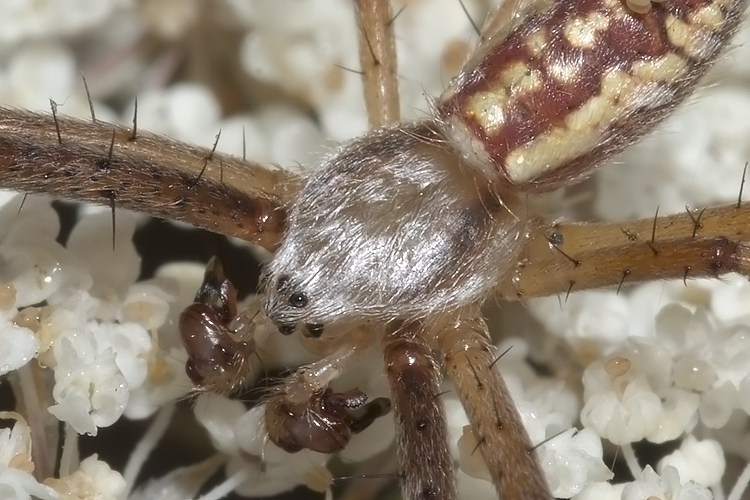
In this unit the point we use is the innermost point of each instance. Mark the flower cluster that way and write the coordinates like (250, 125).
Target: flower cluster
(659, 362)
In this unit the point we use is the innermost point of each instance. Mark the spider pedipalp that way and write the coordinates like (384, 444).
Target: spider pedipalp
(324, 423)
(219, 343)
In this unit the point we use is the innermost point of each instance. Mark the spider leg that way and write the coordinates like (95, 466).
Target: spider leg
(468, 359)
(377, 57)
(425, 463)
(105, 164)
(564, 258)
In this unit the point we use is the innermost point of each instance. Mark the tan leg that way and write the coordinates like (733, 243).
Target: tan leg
(115, 166)
(564, 258)
(468, 360)
(377, 57)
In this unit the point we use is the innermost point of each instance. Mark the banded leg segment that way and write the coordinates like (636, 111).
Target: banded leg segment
(564, 258)
(421, 433)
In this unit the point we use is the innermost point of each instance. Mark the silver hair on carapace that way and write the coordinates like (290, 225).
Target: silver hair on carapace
(392, 226)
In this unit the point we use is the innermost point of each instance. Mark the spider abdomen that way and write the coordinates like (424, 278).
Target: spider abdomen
(577, 81)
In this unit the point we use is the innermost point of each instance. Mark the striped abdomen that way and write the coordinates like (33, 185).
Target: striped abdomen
(578, 80)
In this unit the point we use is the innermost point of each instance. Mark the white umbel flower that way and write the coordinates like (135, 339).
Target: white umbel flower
(601, 491)
(20, 346)
(666, 486)
(16, 465)
(572, 460)
(94, 480)
(43, 18)
(700, 461)
(696, 158)
(90, 391)
(113, 344)
(629, 396)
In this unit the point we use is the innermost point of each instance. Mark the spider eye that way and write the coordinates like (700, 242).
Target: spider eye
(282, 282)
(298, 300)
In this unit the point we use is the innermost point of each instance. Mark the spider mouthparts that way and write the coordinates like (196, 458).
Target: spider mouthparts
(286, 328)
(314, 330)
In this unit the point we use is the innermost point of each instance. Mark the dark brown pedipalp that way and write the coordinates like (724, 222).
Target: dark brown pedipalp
(324, 423)
(218, 359)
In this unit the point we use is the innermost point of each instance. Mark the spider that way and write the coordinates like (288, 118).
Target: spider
(324, 286)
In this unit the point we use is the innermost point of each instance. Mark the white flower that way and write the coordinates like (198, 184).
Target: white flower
(47, 17)
(220, 416)
(116, 341)
(146, 304)
(629, 396)
(572, 460)
(16, 466)
(699, 461)
(30, 258)
(91, 241)
(20, 345)
(666, 486)
(90, 391)
(601, 491)
(711, 358)
(185, 111)
(696, 160)
(156, 306)
(595, 318)
(19, 485)
(94, 480)
(166, 382)
(180, 483)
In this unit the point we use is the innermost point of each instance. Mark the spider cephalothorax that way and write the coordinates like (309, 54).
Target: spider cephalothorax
(407, 230)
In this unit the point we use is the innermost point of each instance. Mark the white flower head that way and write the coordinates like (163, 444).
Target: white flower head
(16, 465)
(666, 486)
(94, 480)
(90, 391)
(20, 346)
(700, 461)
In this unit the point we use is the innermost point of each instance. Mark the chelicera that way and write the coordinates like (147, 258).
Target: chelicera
(400, 235)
